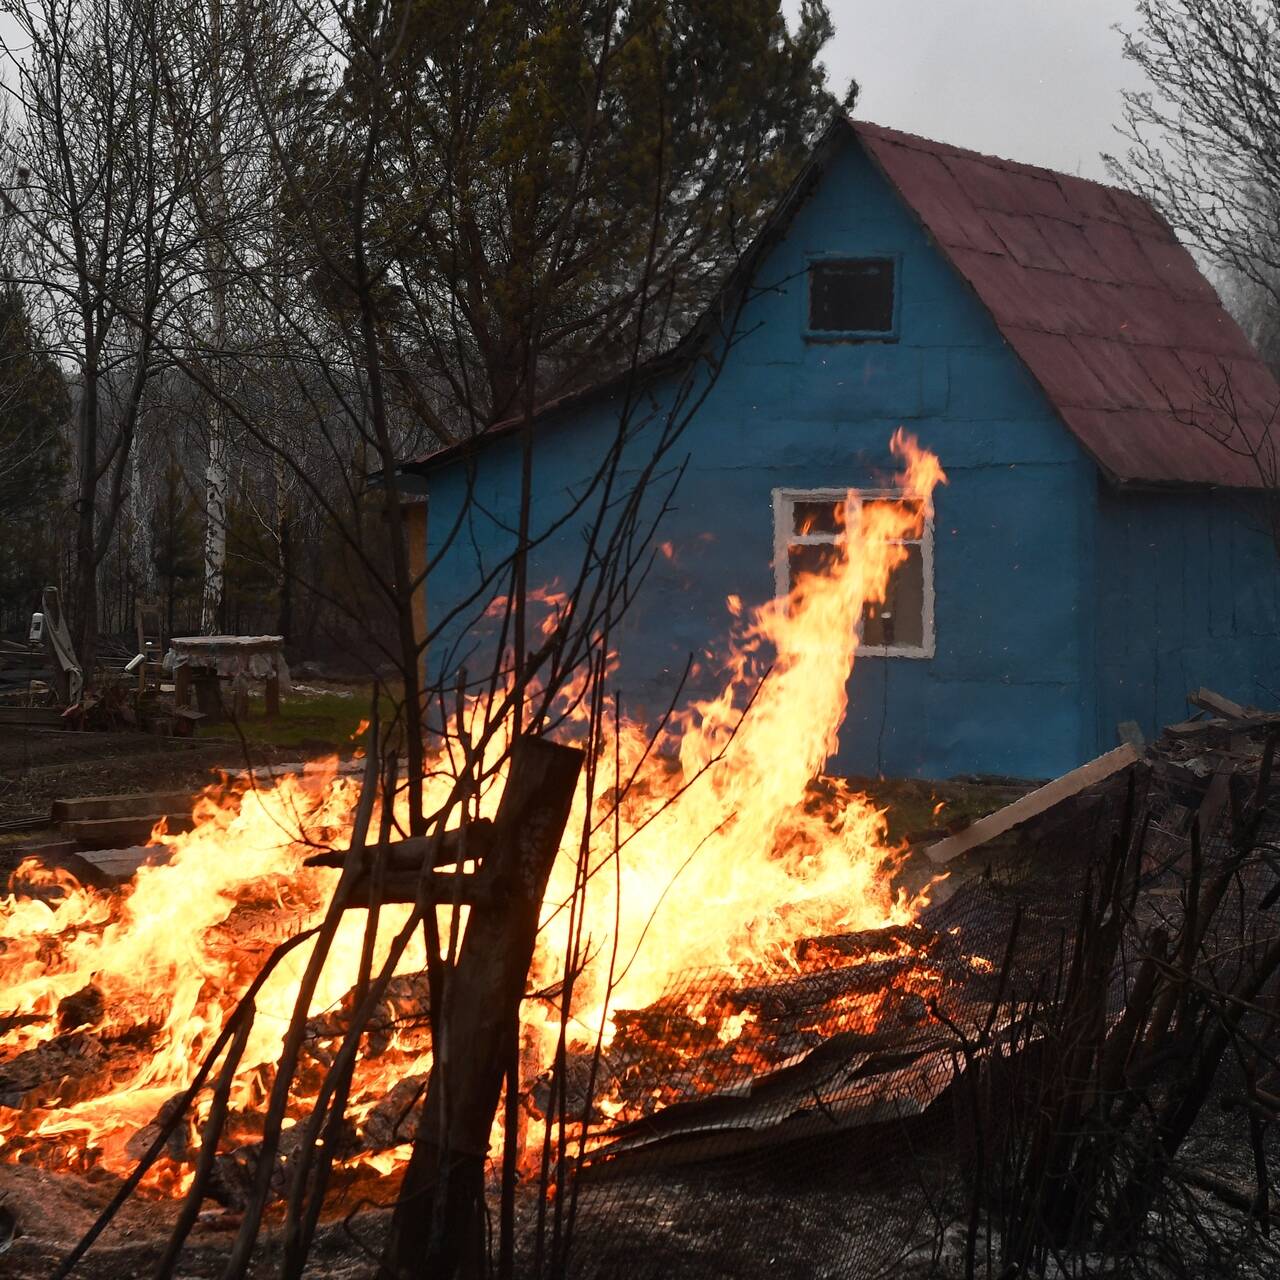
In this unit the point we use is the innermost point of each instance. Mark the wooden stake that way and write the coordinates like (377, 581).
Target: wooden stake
(438, 1226)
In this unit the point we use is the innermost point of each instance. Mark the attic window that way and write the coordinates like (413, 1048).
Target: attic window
(809, 536)
(852, 298)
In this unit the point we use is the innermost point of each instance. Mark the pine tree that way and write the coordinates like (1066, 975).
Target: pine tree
(526, 199)
(176, 542)
(34, 410)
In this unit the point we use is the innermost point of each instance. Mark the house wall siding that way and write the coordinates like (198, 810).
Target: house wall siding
(1188, 596)
(1010, 687)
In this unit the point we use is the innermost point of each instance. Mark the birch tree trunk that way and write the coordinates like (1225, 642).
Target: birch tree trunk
(84, 634)
(215, 531)
(215, 476)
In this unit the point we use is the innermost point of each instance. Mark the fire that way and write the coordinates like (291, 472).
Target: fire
(164, 960)
(725, 856)
(769, 868)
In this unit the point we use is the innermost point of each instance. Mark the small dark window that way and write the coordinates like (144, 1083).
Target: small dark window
(851, 295)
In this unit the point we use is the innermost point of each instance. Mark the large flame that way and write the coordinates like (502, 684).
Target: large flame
(727, 858)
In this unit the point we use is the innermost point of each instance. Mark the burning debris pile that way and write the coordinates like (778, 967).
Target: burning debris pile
(114, 993)
(716, 857)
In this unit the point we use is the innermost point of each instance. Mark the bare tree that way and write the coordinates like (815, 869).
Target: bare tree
(332, 362)
(231, 212)
(90, 172)
(1204, 139)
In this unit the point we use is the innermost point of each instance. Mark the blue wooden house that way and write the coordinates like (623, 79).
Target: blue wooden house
(1095, 555)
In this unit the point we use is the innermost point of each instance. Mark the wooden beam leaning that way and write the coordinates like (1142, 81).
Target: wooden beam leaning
(440, 887)
(438, 1226)
(1212, 701)
(410, 854)
(1033, 804)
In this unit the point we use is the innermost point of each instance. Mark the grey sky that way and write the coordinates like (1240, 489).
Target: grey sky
(1031, 80)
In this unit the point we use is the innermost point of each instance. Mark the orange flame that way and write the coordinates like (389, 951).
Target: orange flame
(724, 858)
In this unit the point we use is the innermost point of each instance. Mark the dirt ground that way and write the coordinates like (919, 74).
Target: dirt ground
(39, 766)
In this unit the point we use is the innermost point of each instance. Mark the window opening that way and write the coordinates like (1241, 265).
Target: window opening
(809, 537)
(852, 296)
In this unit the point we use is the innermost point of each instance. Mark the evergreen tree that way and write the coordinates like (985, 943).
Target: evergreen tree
(596, 154)
(34, 409)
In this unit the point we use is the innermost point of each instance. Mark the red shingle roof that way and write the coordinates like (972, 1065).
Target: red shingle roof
(1093, 291)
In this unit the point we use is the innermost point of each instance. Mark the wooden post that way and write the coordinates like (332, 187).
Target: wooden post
(438, 1226)
(182, 686)
(208, 687)
(415, 527)
(273, 696)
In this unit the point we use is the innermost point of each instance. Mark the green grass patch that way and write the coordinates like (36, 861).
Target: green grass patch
(917, 805)
(311, 722)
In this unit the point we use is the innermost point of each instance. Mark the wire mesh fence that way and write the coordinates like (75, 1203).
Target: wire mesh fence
(880, 1114)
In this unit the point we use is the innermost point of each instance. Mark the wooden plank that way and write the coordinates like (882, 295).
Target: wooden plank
(470, 888)
(181, 686)
(141, 805)
(123, 864)
(1208, 700)
(409, 855)
(414, 514)
(1215, 798)
(43, 716)
(117, 865)
(1188, 728)
(118, 833)
(1037, 802)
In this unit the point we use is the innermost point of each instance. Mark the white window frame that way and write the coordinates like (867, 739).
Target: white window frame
(784, 502)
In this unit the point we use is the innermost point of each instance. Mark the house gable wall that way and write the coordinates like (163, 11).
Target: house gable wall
(1006, 691)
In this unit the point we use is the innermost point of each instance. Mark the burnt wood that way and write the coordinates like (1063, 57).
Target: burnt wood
(438, 1225)
(412, 886)
(866, 942)
(409, 868)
